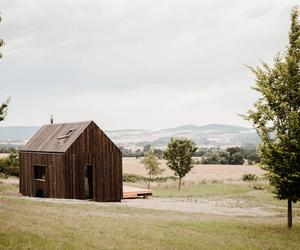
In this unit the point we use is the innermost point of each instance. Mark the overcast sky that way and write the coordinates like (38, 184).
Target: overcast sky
(136, 64)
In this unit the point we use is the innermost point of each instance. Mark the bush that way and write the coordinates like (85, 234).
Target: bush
(249, 177)
(213, 158)
(236, 159)
(196, 162)
(138, 178)
(9, 166)
(133, 178)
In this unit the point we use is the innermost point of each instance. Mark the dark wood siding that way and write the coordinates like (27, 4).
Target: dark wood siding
(94, 148)
(65, 171)
(53, 185)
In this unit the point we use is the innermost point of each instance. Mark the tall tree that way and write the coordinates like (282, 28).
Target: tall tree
(179, 157)
(1, 41)
(152, 165)
(4, 105)
(276, 117)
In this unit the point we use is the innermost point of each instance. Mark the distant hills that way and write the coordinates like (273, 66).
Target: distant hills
(17, 133)
(211, 135)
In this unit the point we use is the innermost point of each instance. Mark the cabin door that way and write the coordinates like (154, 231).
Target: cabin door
(88, 181)
(39, 180)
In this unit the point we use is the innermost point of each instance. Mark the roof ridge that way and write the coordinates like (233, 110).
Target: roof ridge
(64, 123)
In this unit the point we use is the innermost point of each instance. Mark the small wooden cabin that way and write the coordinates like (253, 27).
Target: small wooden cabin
(71, 160)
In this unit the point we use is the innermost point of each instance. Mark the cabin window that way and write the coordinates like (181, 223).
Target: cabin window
(39, 172)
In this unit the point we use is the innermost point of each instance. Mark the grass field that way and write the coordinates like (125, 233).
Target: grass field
(30, 223)
(214, 210)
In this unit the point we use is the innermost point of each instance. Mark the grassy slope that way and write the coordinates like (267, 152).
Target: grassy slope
(202, 190)
(246, 194)
(36, 224)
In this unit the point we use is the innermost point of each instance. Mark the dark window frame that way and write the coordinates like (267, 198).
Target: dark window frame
(39, 172)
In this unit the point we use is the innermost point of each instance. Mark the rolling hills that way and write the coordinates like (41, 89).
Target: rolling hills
(211, 135)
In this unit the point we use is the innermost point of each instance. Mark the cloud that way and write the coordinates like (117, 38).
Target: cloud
(59, 52)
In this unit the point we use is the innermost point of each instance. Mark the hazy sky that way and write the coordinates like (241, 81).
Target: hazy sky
(136, 64)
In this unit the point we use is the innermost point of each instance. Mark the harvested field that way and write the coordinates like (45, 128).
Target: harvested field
(210, 189)
(3, 155)
(199, 173)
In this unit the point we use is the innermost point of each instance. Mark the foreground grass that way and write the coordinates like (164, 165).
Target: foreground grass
(40, 224)
(27, 224)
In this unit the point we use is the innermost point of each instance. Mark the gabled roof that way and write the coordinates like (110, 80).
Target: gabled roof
(55, 137)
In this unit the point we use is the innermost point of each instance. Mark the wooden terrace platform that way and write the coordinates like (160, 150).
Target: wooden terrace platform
(133, 192)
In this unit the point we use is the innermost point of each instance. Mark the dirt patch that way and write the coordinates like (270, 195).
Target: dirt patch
(223, 207)
(11, 193)
(10, 180)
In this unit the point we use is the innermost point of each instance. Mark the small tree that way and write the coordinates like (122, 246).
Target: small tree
(276, 117)
(146, 148)
(179, 157)
(152, 165)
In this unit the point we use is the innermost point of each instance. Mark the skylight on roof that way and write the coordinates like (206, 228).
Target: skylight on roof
(66, 136)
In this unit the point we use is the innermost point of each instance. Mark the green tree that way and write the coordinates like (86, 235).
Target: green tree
(276, 118)
(179, 154)
(212, 158)
(3, 109)
(139, 153)
(158, 153)
(233, 150)
(4, 105)
(236, 155)
(236, 159)
(152, 165)
(9, 166)
(251, 156)
(1, 41)
(146, 148)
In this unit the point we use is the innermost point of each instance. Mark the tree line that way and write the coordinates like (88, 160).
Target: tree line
(229, 156)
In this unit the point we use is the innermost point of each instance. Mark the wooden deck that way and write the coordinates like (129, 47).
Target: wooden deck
(133, 192)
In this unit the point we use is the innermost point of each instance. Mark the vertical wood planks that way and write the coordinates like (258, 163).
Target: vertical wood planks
(65, 171)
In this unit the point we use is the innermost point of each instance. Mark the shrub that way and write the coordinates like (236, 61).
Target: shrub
(138, 178)
(196, 162)
(236, 159)
(216, 157)
(259, 187)
(9, 166)
(249, 177)
(133, 178)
